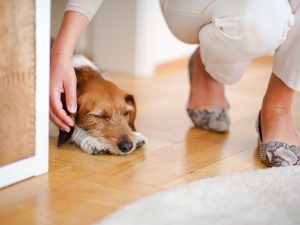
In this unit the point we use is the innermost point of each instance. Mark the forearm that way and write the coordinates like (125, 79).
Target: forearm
(86, 7)
(72, 27)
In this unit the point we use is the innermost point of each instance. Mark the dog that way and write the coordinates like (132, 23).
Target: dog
(104, 121)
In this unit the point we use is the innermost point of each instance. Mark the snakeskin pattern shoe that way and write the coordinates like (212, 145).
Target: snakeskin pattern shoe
(276, 153)
(213, 119)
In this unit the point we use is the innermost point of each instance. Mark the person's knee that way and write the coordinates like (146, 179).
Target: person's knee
(253, 27)
(261, 30)
(184, 26)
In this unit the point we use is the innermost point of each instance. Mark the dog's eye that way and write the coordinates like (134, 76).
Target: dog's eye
(100, 116)
(126, 113)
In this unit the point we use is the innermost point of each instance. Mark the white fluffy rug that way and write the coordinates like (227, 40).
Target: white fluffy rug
(269, 197)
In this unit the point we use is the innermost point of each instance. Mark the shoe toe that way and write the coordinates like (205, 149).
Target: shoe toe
(216, 119)
(276, 154)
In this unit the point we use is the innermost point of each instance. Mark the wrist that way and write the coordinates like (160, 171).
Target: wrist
(60, 53)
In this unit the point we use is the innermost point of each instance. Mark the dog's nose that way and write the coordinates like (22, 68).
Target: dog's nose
(125, 145)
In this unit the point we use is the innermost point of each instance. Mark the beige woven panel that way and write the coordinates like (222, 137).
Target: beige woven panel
(17, 80)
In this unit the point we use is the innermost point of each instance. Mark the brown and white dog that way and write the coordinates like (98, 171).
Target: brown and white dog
(104, 121)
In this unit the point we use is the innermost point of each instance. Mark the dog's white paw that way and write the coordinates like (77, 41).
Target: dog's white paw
(93, 145)
(88, 143)
(139, 139)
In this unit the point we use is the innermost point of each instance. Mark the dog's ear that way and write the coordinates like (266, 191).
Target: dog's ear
(130, 100)
(64, 137)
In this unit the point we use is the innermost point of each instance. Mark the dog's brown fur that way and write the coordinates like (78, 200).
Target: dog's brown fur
(104, 110)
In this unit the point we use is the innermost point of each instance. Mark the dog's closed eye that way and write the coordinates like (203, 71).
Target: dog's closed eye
(127, 113)
(102, 116)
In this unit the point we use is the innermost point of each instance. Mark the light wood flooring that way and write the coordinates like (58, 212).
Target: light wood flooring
(81, 188)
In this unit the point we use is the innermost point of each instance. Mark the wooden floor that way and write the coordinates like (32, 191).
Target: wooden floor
(81, 189)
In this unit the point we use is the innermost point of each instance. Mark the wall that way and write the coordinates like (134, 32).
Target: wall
(127, 36)
(113, 35)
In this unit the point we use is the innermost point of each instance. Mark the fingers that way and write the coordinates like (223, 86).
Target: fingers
(62, 80)
(57, 113)
(70, 93)
(58, 122)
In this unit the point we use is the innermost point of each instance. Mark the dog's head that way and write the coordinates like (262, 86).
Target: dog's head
(105, 111)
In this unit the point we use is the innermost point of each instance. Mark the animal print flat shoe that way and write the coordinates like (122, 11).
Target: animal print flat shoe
(213, 119)
(276, 153)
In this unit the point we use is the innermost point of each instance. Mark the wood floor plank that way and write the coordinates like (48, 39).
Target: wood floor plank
(236, 163)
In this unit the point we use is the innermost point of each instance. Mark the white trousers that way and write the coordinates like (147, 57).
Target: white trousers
(233, 32)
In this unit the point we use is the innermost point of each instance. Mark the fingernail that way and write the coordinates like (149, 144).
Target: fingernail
(67, 129)
(72, 108)
(71, 123)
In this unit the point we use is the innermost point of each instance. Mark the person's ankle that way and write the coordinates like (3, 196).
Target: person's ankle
(206, 92)
(276, 123)
(272, 109)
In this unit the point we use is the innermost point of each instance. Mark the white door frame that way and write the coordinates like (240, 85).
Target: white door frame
(38, 164)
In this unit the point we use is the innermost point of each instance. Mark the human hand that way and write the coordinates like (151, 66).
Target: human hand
(62, 75)
(62, 80)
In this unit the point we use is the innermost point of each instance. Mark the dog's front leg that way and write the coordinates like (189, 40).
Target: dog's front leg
(89, 144)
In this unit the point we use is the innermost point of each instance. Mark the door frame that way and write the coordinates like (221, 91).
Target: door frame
(38, 164)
